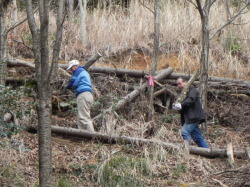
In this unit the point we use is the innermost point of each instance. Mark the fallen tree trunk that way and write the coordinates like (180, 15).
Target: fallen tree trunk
(17, 62)
(91, 61)
(111, 138)
(61, 67)
(133, 73)
(135, 93)
(216, 85)
(142, 73)
(210, 78)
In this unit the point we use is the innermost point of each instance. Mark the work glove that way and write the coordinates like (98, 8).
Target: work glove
(176, 106)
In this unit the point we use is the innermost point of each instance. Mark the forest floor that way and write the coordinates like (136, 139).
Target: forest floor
(83, 162)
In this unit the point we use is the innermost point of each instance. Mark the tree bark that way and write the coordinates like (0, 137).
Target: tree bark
(91, 61)
(3, 41)
(44, 76)
(155, 61)
(14, 14)
(204, 14)
(70, 9)
(83, 12)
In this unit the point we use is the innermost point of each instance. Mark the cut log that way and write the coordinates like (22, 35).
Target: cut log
(11, 116)
(61, 67)
(120, 72)
(135, 93)
(19, 63)
(7, 117)
(230, 154)
(91, 61)
(111, 138)
(63, 73)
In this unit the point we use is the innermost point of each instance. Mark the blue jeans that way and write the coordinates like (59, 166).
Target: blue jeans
(192, 131)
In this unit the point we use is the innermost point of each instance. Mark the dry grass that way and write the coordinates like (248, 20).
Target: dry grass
(78, 161)
(180, 36)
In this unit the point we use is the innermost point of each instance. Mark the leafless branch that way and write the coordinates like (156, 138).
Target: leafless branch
(146, 6)
(198, 2)
(193, 3)
(211, 3)
(231, 20)
(19, 23)
(57, 43)
(23, 43)
(240, 23)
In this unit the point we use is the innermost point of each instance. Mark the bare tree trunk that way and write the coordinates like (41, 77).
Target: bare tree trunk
(44, 76)
(83, 12)
(14, 14)
(3, 40)
(204, 13)
(204, 68)
(155, 60)
(70, 9)
(3, 44)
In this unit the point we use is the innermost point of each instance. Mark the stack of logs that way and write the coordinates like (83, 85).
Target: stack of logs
(217, 85)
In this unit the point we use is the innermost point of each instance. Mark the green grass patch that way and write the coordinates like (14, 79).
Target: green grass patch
(124, 170)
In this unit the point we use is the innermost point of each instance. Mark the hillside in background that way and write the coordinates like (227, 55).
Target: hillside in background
(124, 32)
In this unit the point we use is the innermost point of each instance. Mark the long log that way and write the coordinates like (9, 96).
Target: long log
(135, 73)
(142, 73)
(135, 93)
(115, 71)
(106, 70)
(210, 78)
(111, 138)
(216, 84)
(91, 61)
(18, 62)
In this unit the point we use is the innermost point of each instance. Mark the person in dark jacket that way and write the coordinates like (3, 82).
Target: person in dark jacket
(81, 83)
(192, 115)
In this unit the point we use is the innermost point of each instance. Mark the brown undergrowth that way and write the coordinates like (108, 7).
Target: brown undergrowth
(80, 162)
